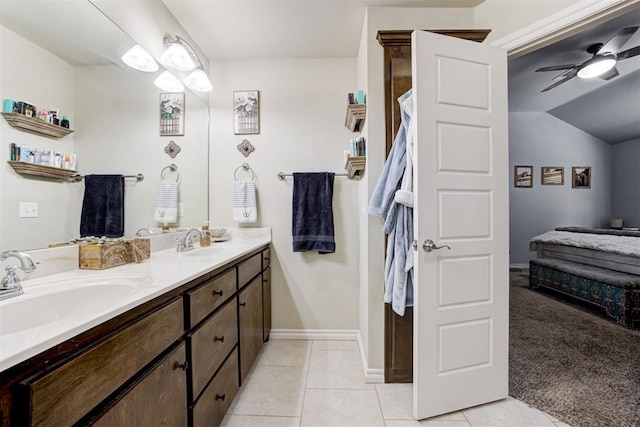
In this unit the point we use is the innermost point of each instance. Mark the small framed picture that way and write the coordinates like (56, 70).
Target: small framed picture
(523, 176)
(552, 175)
(171, 114)
(246, 112)
(581, 177)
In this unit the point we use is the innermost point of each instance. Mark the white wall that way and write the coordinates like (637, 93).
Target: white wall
(34, 75)
(539, 139)
(302, 111)
(626, 182)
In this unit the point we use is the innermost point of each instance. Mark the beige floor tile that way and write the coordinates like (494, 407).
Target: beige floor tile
(285, 353)
(336, 370)
(396, 401)
(271, 390)
(427, 423)
(341, 408)
(335, 345)
(506, 413)
(250, 420)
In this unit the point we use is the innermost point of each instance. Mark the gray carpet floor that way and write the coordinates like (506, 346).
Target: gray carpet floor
(570, 362)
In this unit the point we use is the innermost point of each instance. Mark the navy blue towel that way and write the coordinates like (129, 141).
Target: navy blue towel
(312, 222)
(103, 206)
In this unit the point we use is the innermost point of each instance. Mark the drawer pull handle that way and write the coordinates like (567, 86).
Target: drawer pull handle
(265, 280)
(221, 339)
(221, 396)
(219, 293)
(184, 365)
(267, 258)
(242, 304)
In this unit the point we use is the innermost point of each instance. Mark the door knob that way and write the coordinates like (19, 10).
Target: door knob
(430, 245)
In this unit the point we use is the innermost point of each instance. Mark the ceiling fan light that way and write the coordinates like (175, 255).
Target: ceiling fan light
(198, 81)
(139, 59)
(177, 57)
(597, 66)
(168, 82)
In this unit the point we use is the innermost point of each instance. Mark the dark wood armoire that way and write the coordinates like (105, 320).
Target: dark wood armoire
(398, 330)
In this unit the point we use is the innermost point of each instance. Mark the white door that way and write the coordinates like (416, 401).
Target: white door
(461, 180)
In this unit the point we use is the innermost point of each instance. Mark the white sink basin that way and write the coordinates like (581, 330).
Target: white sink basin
(215, 249)
(57, 301)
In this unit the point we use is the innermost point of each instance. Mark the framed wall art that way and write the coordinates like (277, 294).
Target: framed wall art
(552, 175)
(523, 176)
(581, 177)
(171, 114)
(246, 112)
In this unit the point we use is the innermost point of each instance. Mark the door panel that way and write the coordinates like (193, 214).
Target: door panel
(461, 181)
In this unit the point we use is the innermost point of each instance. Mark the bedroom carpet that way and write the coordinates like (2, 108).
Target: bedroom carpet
(575, 365)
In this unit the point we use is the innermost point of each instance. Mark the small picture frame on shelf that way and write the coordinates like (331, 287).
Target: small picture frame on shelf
(581, 177)
(552, 175)
(246, 112)
(523, 176)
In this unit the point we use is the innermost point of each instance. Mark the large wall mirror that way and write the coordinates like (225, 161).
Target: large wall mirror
(66, 55)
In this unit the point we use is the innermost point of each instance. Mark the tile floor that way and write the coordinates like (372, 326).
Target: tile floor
(320, 383)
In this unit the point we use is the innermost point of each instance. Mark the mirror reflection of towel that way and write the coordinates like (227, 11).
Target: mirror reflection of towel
(244, 202)
(312, 222)
(103, 206)
(166, 202)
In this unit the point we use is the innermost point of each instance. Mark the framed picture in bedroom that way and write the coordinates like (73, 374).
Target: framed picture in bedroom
(523, 176)
(581, 177)
(246, 112)
(552, 175)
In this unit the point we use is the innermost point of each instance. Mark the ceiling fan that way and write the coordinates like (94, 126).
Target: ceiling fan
(603, 62)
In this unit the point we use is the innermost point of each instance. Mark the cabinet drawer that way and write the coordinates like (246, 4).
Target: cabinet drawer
(215, 400)
(248, 269)
(211, 343)
(159, 399)
(209, 296)
(266, 258)
(64, 395)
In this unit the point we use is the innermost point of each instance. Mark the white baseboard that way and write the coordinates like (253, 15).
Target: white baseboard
(370, 375)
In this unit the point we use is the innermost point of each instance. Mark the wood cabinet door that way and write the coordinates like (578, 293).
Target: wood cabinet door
(250, 314)
(159, 399)
(266, 303)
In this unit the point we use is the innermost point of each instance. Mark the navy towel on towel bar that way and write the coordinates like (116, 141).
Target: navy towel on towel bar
(103, 206)
(312, 222)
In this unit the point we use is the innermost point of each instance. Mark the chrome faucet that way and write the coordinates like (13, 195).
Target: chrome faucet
(186, 244)
(10, 285)
(140, 230)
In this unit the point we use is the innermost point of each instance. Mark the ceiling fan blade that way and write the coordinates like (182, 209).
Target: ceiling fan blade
(569, 76)
(610, 74)
(617, 41)
(557, 67)
(562, 75)
(629, 53)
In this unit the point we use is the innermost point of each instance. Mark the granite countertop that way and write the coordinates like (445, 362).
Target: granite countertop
(57, 307)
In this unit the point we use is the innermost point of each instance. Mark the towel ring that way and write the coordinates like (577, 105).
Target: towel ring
(172, 168)
(245, 167)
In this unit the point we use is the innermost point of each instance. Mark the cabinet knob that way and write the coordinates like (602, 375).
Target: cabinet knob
(221, 396)
(267, 258)
(221, 339)
(242, 304)
(183, 365)
(265, 280)
(219, 293)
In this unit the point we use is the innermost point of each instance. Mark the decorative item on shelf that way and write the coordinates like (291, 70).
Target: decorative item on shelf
(172, 114)
(355, 166)
(354, 119)
(172, 149)
(100, 254)
(245, 147)
(31, 124)
(246, 112)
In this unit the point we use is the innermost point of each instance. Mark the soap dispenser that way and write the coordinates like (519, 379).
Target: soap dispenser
(206, 240)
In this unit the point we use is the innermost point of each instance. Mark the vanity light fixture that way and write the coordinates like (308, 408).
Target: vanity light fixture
(139, 59)
(168, 82)
(198, 81)
(178, 54)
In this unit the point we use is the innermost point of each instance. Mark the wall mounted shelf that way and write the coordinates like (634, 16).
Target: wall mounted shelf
(37, 126)
(24, 168)
(355, 167)
(355, 117)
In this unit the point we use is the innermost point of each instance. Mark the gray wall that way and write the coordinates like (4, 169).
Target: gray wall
(539, 139)
(626, 182)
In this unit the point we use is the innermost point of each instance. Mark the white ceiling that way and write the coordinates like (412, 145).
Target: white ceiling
(243, 29)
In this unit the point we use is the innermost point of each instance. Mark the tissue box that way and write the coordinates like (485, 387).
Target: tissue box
(112, 254)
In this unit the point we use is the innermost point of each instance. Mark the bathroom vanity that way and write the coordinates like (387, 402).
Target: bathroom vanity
(176, 359)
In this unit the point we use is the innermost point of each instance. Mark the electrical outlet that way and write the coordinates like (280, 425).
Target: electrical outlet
(180, 209)
(28, 209)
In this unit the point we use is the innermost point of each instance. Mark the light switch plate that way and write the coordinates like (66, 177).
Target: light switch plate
(28, 209)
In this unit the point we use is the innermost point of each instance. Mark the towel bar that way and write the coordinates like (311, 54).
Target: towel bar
(282, 175)
(245, 167)
(76, 178)
(173, 168)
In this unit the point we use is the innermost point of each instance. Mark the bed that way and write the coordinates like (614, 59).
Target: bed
(598, 266)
